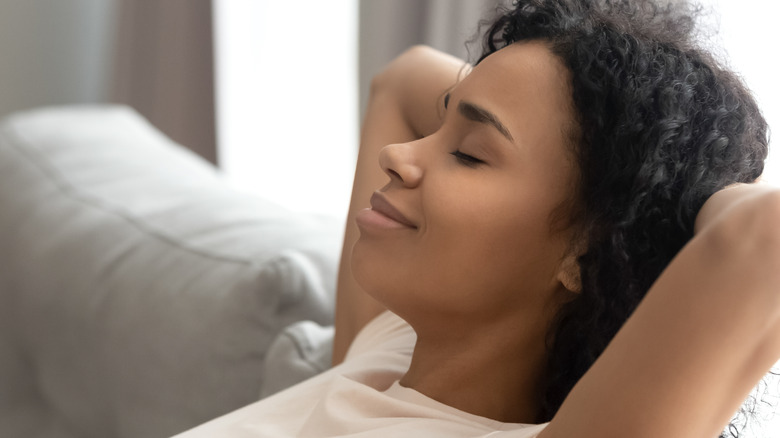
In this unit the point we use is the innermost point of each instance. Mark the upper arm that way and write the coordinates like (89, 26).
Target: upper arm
(405, 104)
(706, 332)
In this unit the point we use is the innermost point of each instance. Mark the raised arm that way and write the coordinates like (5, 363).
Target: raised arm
(704, 335)
(405, 104)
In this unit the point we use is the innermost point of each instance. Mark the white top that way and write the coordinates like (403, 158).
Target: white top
(360, 398)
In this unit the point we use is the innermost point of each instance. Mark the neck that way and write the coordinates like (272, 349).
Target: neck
(492, 371)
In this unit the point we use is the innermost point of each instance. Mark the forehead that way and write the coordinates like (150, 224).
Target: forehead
(527, 87)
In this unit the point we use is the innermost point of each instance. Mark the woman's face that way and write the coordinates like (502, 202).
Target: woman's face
(463, 229)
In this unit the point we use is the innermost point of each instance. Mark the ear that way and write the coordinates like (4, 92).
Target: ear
(569, 273)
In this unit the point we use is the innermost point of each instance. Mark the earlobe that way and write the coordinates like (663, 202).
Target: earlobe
(569, 274)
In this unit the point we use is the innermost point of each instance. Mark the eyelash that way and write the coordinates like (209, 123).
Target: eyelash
(466, 160)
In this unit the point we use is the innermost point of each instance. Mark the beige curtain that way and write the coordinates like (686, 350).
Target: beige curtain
(164, 58)
(164, 68)
(389, 27)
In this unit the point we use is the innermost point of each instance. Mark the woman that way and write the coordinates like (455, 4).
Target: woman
(592, 159)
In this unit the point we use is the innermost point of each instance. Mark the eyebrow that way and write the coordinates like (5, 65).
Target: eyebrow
(478, 114)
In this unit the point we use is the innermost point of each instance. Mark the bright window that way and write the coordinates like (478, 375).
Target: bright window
(286, 96)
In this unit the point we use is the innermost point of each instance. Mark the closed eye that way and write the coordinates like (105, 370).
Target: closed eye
(466, 159)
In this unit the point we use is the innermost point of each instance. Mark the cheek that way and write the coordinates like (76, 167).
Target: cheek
(491, 218)
(491, 242)
(478, 251)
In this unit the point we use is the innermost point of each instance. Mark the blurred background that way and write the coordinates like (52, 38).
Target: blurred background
(272, 91)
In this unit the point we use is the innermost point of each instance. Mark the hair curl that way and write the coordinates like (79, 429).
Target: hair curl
(661, 127)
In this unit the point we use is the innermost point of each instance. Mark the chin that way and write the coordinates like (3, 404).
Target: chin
(370, 270)
(364, 267)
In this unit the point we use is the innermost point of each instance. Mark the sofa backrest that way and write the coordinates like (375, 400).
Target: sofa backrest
(138, 291)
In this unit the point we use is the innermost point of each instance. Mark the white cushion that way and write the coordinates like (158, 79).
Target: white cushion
(138, 292)
(301, 351)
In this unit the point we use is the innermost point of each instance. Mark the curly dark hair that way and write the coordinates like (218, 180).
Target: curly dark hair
(661, 127)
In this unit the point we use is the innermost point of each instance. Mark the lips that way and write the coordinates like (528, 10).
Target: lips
(381, 205)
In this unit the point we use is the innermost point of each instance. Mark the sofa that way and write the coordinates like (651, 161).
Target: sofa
(140, 294)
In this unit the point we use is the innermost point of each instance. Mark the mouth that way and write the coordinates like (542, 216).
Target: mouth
(385, 211)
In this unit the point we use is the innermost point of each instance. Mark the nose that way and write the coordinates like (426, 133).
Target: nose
(400, 163)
